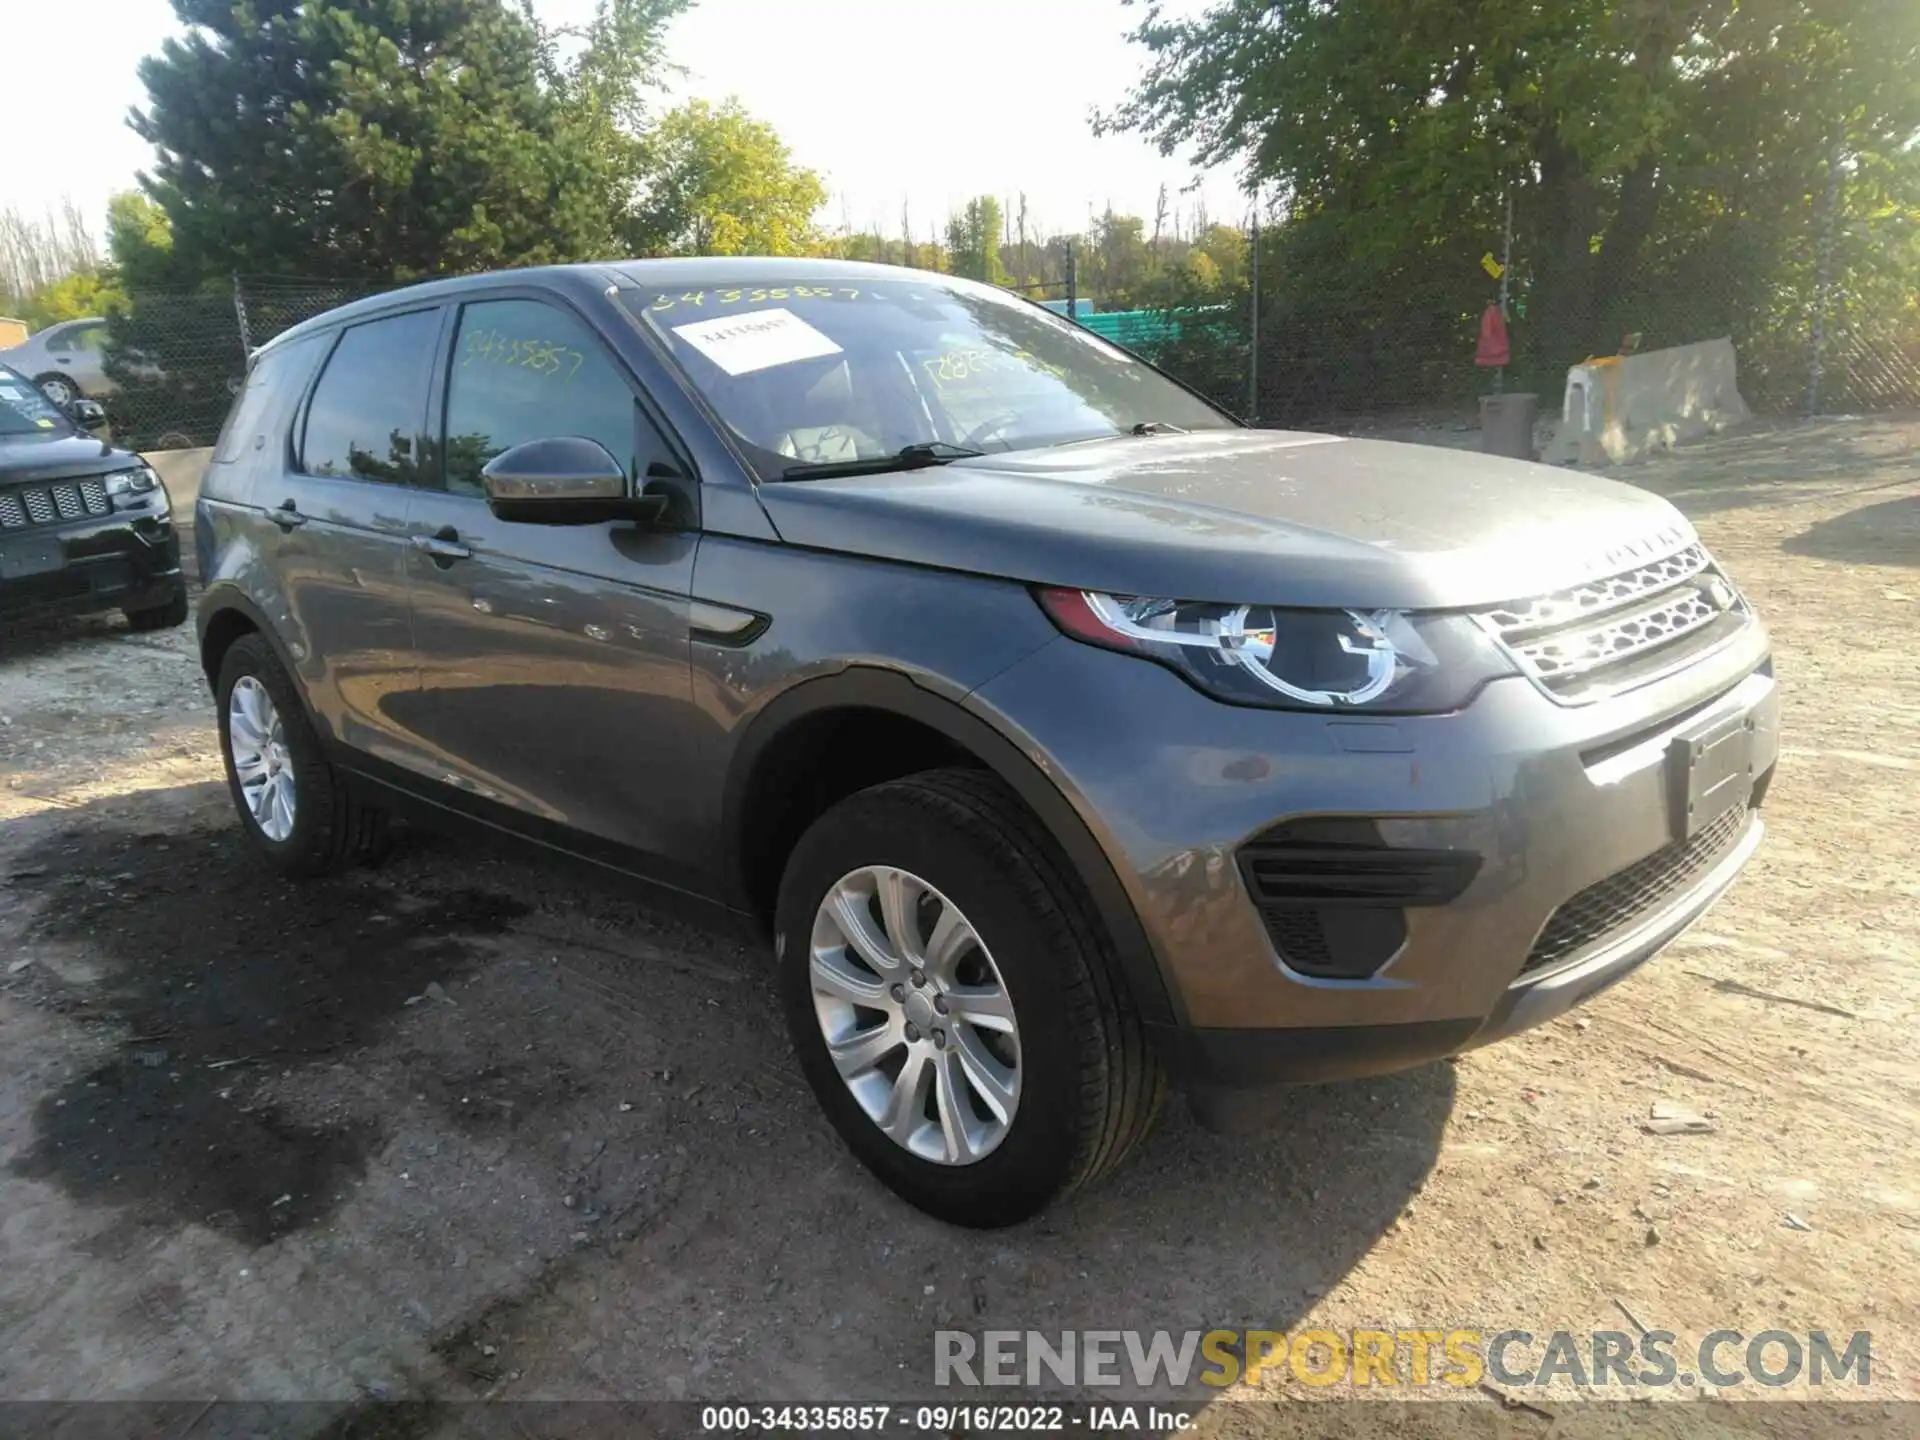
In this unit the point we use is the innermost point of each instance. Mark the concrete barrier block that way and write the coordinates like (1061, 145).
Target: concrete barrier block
(1620, 408)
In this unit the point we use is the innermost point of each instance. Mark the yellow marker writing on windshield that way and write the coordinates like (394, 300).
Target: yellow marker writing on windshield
(754, 295)
(957, 366)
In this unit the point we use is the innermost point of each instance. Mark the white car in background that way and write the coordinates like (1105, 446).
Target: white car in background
(67, 361)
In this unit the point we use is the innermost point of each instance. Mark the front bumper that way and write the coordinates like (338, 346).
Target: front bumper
(128, 560)
(1554, 799)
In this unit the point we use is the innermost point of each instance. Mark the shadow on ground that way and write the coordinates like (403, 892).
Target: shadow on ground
(725, 1245)
(210, 966)
(777, 1271)
(1774, 465)
(1883, 534)
(33, 638)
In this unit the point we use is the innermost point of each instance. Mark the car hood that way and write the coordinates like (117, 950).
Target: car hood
(1267, 516)
(27, 457)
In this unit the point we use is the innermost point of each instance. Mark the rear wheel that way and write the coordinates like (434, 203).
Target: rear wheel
(58, 388)
(294, 809)
(952, 1008)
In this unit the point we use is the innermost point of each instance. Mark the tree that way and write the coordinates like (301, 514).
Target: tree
(724, 183)
(391, 139)
(75, 297)
(140, 242)
(1219, 256)
(40, 257)
(973, 241)
(1119, 260)
(1628, 135)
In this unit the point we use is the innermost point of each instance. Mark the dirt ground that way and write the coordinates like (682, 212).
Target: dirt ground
(466, 1126)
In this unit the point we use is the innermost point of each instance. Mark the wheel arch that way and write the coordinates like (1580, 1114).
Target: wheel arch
(226, 613)
(753, 854)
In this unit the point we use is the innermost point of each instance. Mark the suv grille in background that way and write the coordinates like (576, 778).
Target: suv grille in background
(1635, 892)
(1596, 639)
(50, 504)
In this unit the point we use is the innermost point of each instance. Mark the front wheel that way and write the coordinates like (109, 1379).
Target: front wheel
(294, 809)
(952, 1008)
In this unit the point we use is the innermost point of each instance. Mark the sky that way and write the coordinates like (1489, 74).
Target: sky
(921, 102)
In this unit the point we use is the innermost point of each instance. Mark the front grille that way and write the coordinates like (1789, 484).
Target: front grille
(1306, 874)
(1301, 939)
(1631, 894)
(1593, 640)
(1551, 611)
(49, 504)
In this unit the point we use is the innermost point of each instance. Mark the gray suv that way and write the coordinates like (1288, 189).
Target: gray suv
(1064, 736)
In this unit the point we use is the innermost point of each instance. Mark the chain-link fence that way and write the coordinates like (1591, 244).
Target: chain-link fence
(1338, 347)
(1838, 337)
(173, 362)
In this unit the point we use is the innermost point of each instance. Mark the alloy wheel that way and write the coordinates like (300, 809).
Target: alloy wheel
(257, 744)
(916, 1017)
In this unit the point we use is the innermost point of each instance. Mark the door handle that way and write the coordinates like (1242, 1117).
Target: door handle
(288, 516)
(443, 546)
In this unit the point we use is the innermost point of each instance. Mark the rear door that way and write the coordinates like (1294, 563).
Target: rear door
(337, 514)
(80, 352)
(554, 660)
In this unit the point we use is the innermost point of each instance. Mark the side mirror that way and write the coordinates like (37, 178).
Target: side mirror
(564, 480)
(87, 414)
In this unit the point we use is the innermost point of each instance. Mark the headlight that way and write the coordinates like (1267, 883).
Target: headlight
(135, 489)
(1378, 661)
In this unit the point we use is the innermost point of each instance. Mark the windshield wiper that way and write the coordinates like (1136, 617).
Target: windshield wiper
(912, 457)
(1156, 427)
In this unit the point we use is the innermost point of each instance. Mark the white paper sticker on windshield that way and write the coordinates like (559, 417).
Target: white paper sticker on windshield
(758, 340)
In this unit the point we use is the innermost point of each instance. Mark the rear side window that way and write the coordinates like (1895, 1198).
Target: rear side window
(523, 370)
(366, 414)
(77, 338)
(273, 376)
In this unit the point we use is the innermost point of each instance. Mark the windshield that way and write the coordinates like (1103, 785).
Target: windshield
(24, 411)
(832, 373)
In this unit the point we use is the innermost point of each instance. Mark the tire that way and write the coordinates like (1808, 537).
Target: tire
(160, 617)
(1088, 1086)
(59, 388)
(330, 828)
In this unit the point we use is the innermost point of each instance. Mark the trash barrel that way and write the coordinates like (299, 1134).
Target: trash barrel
(1506, 424)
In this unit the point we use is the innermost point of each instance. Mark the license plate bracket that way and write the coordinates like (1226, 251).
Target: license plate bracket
(21, 558)
(1709, 770)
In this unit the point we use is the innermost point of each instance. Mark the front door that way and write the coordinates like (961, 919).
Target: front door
(554, 669)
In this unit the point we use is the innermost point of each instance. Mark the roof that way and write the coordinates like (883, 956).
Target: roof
(679, 270)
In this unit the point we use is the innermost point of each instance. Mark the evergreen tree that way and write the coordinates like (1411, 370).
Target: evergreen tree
(392, 139)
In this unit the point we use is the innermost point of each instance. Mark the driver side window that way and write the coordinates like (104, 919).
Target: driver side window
(526, 370)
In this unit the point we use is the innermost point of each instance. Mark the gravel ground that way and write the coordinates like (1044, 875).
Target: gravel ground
(466, 1126)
